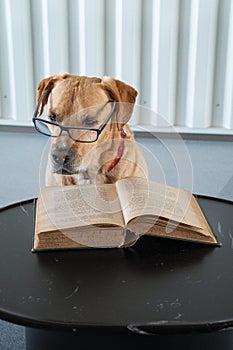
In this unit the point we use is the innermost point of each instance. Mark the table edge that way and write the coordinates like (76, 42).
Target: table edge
(152, 328)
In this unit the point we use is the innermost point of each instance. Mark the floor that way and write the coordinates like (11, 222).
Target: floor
(204, 167)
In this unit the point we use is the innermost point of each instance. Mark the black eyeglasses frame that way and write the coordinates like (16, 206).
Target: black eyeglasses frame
(67, 128)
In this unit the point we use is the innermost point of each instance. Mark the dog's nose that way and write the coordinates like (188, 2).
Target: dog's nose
(62, 155)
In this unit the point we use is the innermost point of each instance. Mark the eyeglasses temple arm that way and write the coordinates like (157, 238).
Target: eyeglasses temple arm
(109, 117)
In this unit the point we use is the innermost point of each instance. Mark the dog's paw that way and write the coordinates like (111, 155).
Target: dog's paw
(83, 179)
(84, 182)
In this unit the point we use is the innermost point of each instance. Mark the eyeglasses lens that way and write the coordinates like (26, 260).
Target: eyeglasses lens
(48, 129)
(83, 135)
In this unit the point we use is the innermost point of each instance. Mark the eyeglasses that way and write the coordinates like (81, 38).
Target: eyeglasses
(86, 135)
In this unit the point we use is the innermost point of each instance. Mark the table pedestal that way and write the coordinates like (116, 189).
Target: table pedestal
(115, 340)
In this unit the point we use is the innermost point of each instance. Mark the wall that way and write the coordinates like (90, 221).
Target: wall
(203, 165)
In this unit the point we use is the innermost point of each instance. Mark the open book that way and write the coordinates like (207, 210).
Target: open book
(116, 215)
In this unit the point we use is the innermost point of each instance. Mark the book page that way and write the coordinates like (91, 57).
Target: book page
(76, 206)
(139, 197)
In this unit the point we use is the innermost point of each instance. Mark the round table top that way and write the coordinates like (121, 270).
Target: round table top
(157, 285)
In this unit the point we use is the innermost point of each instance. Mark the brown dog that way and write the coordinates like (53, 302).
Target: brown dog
(77, 104)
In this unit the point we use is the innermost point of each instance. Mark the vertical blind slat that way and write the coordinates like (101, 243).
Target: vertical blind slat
(4, 62)
(20, 66)
(201, 63)
(118, 37)
(228, 88)
(94, 37)
(56, 50)
(153, 68)
(182, 66)
(131, 48)
(167, 59)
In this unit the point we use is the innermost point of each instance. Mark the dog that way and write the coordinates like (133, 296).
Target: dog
(106, 153)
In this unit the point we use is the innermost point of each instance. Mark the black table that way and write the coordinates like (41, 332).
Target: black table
(160, 293)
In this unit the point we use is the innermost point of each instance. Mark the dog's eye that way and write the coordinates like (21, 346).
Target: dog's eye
(90, 122)
(53, 117)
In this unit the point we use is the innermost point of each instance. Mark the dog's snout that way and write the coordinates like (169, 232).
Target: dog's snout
(62, 154)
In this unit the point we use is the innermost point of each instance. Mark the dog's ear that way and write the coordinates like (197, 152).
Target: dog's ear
(122, 93)
(45, 87)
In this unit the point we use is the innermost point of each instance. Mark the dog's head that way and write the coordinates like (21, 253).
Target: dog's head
(82, 103)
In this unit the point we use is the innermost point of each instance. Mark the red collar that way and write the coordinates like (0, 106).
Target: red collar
(119, 152)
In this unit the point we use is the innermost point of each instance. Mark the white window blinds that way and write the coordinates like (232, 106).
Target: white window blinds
(177, 53)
